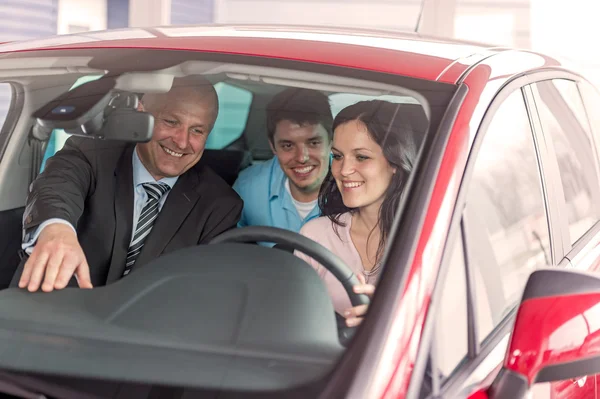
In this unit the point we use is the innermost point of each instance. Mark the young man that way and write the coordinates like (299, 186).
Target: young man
(283, 191)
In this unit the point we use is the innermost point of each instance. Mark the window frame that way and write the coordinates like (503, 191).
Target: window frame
(15, 109)
(460, 381)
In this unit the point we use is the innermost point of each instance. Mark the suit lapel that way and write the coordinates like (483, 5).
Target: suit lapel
(179, 204)
(123, 203)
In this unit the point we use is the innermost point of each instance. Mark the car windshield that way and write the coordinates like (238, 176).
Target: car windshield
(210, 139)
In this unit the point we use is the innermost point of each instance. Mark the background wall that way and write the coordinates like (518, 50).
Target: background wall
(26, 19)
(80, 16)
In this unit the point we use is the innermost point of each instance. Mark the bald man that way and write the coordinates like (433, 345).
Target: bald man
(103, 209)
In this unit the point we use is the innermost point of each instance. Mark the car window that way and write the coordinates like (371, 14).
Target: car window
(563, 120)
(506, 222)
(234, 107)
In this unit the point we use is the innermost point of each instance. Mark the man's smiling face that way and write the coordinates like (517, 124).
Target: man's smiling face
(183, 118)
(303, 154)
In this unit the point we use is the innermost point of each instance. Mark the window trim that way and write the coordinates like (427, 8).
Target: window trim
(551, 187)
(473, 344)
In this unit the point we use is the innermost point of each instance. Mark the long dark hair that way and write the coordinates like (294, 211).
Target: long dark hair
(388, 125)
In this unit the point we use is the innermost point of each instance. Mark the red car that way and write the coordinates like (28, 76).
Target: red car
(488, 288)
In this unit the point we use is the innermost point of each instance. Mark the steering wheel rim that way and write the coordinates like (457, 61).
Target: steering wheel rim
(325, 257)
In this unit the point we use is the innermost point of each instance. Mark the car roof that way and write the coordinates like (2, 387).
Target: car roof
(408, 54)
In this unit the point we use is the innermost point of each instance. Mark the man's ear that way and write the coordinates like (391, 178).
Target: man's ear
(272, 146)
(140, 107)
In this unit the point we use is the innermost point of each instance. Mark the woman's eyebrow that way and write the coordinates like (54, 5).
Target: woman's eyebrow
(353, 150)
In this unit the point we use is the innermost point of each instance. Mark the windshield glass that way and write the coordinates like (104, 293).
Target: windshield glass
(134, 185)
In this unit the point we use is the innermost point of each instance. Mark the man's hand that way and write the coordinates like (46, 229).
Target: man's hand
(56, 257)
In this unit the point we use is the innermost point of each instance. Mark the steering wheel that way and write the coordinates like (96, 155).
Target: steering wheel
(328, 259)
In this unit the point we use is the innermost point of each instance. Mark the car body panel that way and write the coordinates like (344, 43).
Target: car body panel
(406, 54)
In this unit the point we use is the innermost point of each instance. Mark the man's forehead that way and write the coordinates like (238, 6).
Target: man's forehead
(289, 130)
(178, 104)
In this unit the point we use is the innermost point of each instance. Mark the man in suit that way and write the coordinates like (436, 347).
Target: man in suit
(101, 209)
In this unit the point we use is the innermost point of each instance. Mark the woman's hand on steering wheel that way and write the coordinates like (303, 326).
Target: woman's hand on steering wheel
(354, 315)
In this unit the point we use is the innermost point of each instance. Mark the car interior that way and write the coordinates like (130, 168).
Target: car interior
(253, 334)
(237, 141)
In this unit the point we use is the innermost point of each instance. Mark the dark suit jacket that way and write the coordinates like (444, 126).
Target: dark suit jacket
(90, 184)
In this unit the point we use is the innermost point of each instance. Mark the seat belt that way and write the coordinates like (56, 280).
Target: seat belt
(38, 141)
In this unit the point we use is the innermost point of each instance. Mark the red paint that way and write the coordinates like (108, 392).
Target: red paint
(408, 62)
(554, 330)
(481, 394)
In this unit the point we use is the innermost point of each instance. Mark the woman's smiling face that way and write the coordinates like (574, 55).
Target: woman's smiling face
(361, 171)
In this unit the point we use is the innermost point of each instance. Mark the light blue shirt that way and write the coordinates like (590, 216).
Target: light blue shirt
(140, 175)
(267, 202)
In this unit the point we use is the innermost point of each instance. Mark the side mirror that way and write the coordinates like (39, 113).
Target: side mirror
(556, 335)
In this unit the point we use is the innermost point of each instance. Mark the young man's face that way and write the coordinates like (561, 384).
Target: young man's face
(303, 152)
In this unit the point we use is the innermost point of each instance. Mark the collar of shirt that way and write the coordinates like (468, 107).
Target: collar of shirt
(141, 174)
(278, 178)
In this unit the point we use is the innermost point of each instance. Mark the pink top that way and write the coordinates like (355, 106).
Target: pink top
(321, 230)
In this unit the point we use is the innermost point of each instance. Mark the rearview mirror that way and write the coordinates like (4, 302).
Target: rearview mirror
(97, 110)
(556, 335)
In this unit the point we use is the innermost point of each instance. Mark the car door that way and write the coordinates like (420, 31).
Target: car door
(573, 152)
(503, 236)
(514, 220)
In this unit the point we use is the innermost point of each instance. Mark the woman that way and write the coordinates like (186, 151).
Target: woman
(373, 154)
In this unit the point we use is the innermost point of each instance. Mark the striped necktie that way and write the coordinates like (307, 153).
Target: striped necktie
(145, 222)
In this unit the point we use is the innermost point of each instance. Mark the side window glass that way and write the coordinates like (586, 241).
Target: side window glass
(563, 120)
(234, 107)
(451, 339)
(506, 221)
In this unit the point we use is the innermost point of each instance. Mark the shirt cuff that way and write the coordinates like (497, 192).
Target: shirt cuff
(30, 238)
